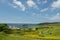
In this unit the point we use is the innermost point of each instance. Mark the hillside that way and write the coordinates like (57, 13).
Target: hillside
(43, 31)
(49, 23)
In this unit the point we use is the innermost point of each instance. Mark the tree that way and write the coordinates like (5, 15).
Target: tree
(24, 26)
(3, 27)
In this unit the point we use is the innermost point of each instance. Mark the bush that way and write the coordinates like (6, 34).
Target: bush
(3, 27)
(8, 31)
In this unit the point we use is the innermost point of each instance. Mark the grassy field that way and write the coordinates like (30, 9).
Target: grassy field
(44, 32)
(20, 37)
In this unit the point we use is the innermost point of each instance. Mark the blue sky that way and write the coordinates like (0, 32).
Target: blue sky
(29, 11)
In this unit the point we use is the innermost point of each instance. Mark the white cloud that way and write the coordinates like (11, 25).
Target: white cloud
(19, 4)
(55, 4)
(55, 17)
(42, 2)
(43, 10)
(31, 3)
(14, 6)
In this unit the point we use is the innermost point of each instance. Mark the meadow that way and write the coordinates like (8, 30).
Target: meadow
(40, 32)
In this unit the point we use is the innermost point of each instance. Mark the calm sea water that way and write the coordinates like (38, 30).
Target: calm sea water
(20, 25)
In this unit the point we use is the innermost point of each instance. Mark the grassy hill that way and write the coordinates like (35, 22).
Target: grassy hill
(43, 31)
(47, 30)
(19, 37)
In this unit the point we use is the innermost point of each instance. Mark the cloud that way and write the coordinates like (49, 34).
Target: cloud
(55, 4)
(42, 2)
(19, 4)
(31, 3)
(43, 10)
(14, 6)
(55, 17)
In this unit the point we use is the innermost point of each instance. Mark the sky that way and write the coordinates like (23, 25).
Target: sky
(29, 11)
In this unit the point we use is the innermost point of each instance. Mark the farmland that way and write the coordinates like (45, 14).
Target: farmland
(43, 31)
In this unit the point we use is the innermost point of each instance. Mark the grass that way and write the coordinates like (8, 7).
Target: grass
(14, 37)
(4, 36)
(40, 34)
